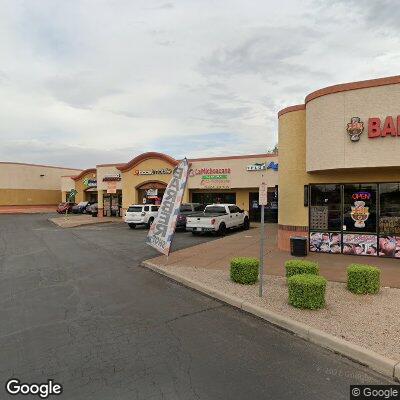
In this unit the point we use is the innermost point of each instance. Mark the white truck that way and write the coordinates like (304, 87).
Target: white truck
(217, 218)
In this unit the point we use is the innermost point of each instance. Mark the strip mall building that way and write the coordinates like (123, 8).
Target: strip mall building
(142, 180)
(339, 169)
(31, 184)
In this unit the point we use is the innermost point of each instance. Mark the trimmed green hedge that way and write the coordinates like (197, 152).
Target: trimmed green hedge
(244, 270)
(363, 279)
(307, 291)
(298, 267)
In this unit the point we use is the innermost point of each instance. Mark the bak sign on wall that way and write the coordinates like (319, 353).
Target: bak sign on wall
(389, 127)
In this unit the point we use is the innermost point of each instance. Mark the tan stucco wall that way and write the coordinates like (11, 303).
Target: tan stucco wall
(239, 176)
(329, 145)
(25, 176)
(292, 169)
(67, 183)
(102, 171)
(80, 187)
(130, 181)
(20, 197)
(22, 184)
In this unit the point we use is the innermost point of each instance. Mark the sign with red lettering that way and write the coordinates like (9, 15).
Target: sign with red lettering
(388, 128)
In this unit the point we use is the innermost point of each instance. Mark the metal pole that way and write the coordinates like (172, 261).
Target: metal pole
(262, 238)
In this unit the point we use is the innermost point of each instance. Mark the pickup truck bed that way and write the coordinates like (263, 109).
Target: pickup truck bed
(217, 218)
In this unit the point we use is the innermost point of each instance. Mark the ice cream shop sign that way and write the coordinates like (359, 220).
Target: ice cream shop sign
(377, 127)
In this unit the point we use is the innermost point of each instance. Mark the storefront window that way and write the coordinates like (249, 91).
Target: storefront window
(389, 220)
(325, 208)
(214, 198)
(359, 208)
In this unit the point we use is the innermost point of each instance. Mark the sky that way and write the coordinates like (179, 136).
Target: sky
(91, 82)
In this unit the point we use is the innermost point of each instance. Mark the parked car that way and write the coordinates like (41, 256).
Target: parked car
(217, 218)
(80, 208)
(64, 207)
(141, 214)
(92, 209)
(185, 210)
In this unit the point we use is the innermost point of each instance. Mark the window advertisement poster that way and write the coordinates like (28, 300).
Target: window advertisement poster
(362, 245)
(389, 225)
(319, 217)
(325, 242)
(111, 187)
(389, 246)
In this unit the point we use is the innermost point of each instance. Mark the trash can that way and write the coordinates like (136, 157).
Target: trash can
(298, 246)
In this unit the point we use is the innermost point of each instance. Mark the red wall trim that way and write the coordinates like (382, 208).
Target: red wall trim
(86, 171)
(293, 228)
(390, 80)
(145, 156)
(296, 107)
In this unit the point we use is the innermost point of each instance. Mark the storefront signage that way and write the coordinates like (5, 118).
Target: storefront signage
(215, 177)
(151, 192)
(262, 166)
(112, 177)
(90, 182)
(388, 128)
(111, 187)
(209, 171)
(359, 214)
(361, 196)
(355, 128)
(215, 181)
(162, 171)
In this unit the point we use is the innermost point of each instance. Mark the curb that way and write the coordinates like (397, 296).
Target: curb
(369, 358)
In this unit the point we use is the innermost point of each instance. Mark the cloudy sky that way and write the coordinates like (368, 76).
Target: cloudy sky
(88, 82)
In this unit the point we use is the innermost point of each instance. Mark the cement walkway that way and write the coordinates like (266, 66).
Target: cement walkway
(73, 220)
(27, 209)
(217, 254)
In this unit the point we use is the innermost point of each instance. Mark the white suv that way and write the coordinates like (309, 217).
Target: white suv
(141, 214)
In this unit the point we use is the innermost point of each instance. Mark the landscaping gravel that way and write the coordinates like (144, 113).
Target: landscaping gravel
(371, 321)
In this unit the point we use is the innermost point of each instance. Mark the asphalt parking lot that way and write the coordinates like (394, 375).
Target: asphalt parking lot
(75, 306)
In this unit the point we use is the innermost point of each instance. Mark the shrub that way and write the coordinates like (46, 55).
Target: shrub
(244, 270)
(299, 267)
(307, 291)
(362, 279)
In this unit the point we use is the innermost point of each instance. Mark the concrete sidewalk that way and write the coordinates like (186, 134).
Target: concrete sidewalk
(28, 209)
(72, 221)
(216, 254)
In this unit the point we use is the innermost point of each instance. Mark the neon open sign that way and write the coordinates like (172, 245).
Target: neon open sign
(361, 196)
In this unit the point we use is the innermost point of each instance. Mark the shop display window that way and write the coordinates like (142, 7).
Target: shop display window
(214, 198)
(359, 208)
(325, 207)
(356, 219)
